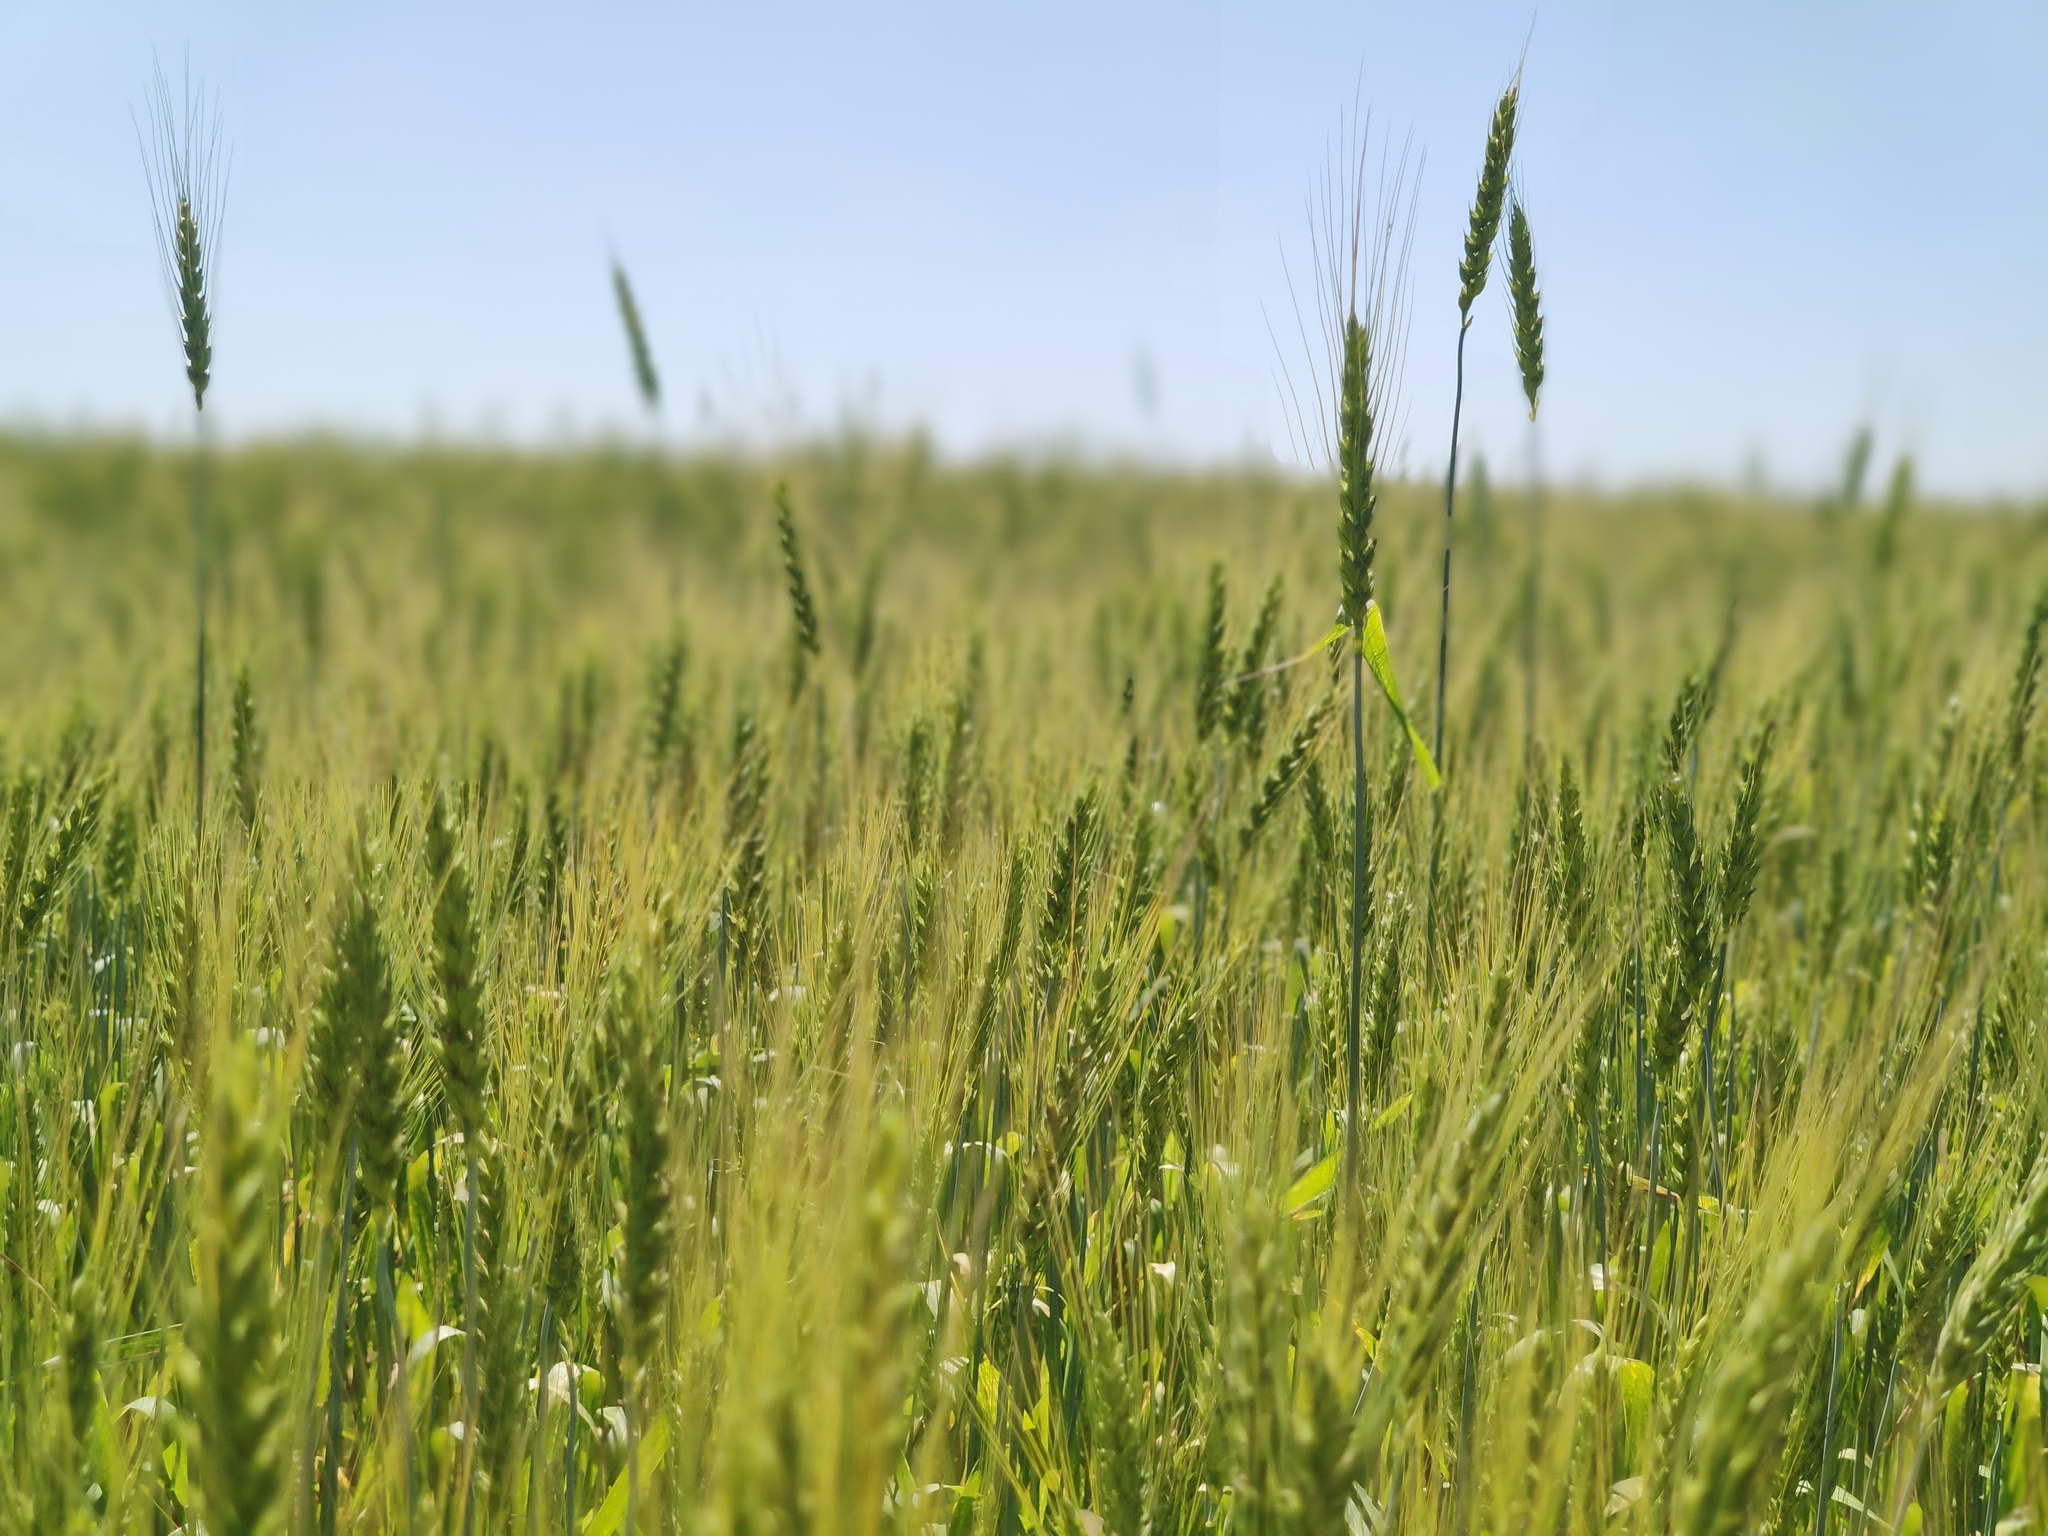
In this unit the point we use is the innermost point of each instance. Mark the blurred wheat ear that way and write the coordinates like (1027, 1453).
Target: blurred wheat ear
(636, 339)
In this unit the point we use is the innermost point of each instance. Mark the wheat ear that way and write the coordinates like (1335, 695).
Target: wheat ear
(636, 340)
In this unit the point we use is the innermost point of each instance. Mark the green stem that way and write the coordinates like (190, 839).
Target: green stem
(1358, 834)
(1443, 634)
(469, 1321)
(330, 1490)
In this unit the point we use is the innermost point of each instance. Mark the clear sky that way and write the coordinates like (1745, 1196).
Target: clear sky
(1757, 224)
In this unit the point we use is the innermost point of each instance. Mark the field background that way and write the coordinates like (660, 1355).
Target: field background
(910, 1088)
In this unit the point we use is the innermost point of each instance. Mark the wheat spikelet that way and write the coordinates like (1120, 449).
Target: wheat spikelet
(62, 856)
(1483, 225)
(1525, 304)
(1441, 1251)
(1742, 1416)
(1064, 912)
(1244, 712)
(1356, 501)
(459, 1021)
(356, 1047)
(1286, 769)
(120, 851)
(1993, 1288)
(2025, 684)
(1742, 853)
(802, 609)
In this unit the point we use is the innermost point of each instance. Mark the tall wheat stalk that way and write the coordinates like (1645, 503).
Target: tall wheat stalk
(1481, 229)
(181, 160)
(1360, 274)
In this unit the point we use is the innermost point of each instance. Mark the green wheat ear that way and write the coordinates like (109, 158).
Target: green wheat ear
(636, 339)
(1355, 498)
(1526, 303)
(186, 188)
(1484, 225)
(802, 609)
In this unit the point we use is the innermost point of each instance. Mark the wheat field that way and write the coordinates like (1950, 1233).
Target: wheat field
(812, 996)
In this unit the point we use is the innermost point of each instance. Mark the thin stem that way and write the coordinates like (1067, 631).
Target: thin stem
(1351, 1033)
(199, 541)
(469, 1321)
(1443, 634)
(1531, 596)
(540, 1417)
(330, 1474)
(401, 1404)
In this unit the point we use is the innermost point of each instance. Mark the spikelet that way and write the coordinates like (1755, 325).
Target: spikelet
(1440, 1253)
(644, 375)
(1002, 959)
(1286, 769)
(1526, 305)
(1993, 1289)
(665, 709)
(24, 800)
(232, 1332)
(1117, 1405)
(1244, 713)
(1742, 1416)
(64, 854)
(1742, 854)
(459, 1021)
(1210, 668)
(1356, 499)
(2026, 683)
(802, 609)
(1484, 225)
(1065, 910)
(245, 756)
(643, 1212)
(1689, 972)
(1952, 1224)
(120, 852)
(1571, 869)
(357, 1024)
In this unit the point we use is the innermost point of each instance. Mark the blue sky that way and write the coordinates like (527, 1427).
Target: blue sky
(1049, 225)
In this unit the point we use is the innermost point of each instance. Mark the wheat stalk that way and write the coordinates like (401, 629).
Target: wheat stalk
(188, 191)
(1481, 228)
